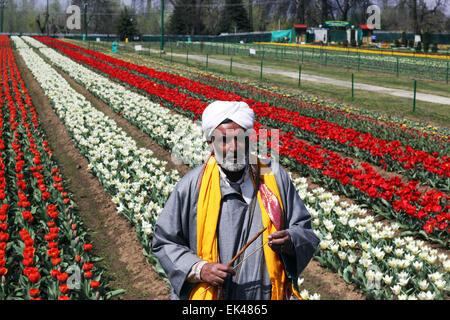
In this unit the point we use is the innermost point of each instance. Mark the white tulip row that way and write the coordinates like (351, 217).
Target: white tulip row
(112, 155)
(33, 42)
(332, 213)
(19, 43)
(353, 237)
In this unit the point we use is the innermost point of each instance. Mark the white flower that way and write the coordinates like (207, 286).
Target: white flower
(446, 265)
(334, 248)
(440, 284)
(436, 276)
(431, 259)
(387, 249)
(387, 279)
(365, 262)
(423, 285)
(351, 243)
(304, 294)
(396, 289)
(328, 225)
(343, 243)
(365, 245)
(403, 281)
(314, 296)
(425, 295)
(442, 257)
(398, 252)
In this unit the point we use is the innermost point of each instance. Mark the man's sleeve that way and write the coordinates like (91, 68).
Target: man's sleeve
(298, 224)
(171, 240)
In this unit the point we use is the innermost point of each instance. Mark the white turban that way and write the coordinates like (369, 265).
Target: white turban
(218, 111)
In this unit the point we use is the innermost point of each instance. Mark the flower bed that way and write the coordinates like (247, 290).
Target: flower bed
(373, 255)
(43, 245)
(416, 210)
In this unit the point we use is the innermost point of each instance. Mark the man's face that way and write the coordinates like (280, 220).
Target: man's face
(230, 147)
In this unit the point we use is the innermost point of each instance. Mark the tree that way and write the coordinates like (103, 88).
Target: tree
(234, 17)
(126, 25)
(186, 17)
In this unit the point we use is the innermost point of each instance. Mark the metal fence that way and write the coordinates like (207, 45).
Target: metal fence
(417, 67)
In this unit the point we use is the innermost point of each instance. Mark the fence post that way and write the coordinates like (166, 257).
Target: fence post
(359, 60)
(299, 74)
(231, 65)
(353, 86)
(260, 74)
(187, 55)
(446, 76)
(397, 66)
(414, 100)
(206, 62)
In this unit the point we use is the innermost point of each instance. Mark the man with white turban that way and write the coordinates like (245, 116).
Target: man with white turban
(220, 206)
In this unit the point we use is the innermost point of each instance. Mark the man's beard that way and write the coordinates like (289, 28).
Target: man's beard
(229, 163)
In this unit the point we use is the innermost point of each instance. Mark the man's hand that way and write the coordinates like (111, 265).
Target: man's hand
(215, 273)
(280, 242)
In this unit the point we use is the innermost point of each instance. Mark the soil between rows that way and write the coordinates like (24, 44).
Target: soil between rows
(147, 285)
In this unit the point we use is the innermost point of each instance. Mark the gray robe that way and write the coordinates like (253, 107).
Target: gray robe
(175, 237)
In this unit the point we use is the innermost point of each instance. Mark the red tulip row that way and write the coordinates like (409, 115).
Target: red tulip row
(37, 212)
(404, 200)
(387, 153)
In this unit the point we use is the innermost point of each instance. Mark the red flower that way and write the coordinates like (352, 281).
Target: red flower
(34, 276)
(56, 261)
(52, 244)
(87, 247)
(4, 236)
(63, 298)
(3, 271)
(63, 288)
(53, 252)
(77, 258)
(55, 273)
(28, 262)
(45, 195)
(87, 266)
(95, 284)
(88, 274)
(27, 216)
(34, 292)
(62, 277)
(50, 236)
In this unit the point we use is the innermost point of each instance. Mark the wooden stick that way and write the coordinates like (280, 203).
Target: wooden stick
(246, 246)
(241, 251)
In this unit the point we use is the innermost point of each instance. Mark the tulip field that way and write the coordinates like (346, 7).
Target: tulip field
(377, 188)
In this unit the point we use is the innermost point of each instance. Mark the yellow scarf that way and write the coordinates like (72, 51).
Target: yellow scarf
(207, 216)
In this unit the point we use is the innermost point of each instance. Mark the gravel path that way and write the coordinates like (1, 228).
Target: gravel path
(323, 80)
